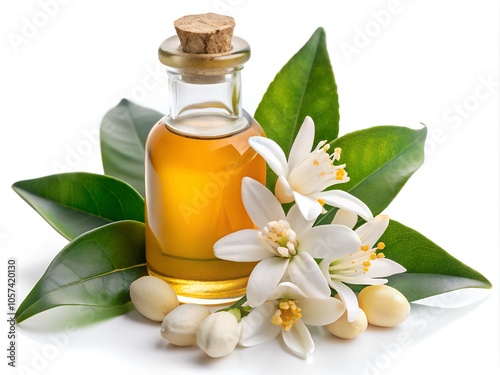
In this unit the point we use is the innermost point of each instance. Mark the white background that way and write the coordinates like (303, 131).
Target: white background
(396, 63)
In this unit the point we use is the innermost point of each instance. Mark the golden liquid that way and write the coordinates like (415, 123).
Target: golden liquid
(193, 198)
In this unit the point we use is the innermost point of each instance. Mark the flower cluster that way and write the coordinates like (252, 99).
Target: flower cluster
(304, 271)
(299, 264)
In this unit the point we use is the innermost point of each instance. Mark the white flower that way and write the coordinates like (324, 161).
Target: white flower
(307, 173)
(364, 266)
(287, 311)
(218, 334)
(285, 246)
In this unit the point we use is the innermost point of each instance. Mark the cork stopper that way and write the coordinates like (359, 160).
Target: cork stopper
(207, 33)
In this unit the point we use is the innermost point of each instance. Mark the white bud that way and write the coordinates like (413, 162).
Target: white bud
(383, 305)
(180, 325)
(218, 334)
(153, 297)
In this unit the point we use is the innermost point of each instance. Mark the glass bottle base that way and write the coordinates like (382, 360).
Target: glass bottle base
(206, 292)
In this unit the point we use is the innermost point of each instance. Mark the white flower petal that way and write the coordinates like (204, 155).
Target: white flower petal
(344, 217)
(346, 201)
(320, 311)
(241, 246)
(309, 207)
(257, 328)
(384, 267)
(349, 299)
(371, 231)
(260, 203)
(303, 143)
(283, 190)
(264, 278)
(297, 221)
(287, 290)
(272, 154)
(329, 241)
(299, 340)
(324, 267)
(306, 274)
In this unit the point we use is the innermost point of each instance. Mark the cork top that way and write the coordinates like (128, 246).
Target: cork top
(204, 45)
(207, 33)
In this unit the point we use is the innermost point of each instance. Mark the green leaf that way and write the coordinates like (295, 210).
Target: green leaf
(96, 269)
(74, 203)
(379, 160)
(124, 130)
(430, 269)
(305, 86)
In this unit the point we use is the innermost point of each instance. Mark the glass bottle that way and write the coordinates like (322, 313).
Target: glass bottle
(196, 157)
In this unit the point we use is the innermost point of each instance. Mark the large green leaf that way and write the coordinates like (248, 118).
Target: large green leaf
(124, 130)
(74, 203)
(430, 269)
(96, 269)
(305, 86)
(379, 160)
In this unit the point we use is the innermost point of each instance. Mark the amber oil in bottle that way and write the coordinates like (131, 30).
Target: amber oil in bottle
(196, 158)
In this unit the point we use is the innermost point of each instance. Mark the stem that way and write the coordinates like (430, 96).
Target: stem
(237, 309)
(236, 305)
(239, 303)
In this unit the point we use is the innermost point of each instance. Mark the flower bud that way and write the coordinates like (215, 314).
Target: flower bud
(347, 330)
(153, 297)
(180, 325)
(383, 305)
(218, 334)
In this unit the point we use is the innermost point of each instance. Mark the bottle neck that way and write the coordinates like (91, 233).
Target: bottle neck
(205, 89)
(202, 95)
(205, 105)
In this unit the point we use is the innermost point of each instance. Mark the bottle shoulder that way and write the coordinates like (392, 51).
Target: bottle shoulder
(207, 127)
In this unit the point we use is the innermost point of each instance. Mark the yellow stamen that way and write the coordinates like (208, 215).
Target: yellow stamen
(380, 255)
(373, 256)
(365, 247)
(276, 319)
(366, 264)
(340, 174)
(336, 153)
(316, 162)
(287, 315)
(365, 269)
(381, 246)
(321, 202)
